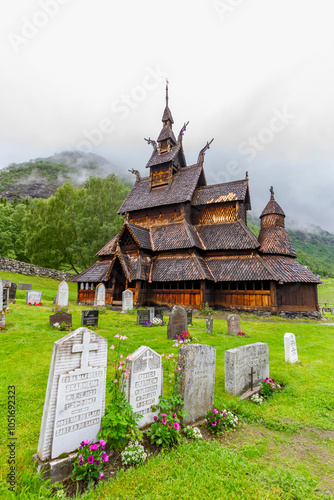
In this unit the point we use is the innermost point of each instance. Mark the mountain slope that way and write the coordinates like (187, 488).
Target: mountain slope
(40, 178)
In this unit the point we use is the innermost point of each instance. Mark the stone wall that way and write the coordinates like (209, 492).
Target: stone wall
(15, 266)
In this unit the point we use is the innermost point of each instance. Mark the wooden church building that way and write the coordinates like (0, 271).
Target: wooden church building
(184, 242)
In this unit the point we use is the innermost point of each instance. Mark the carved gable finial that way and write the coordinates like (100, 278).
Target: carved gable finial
(154, 144)
(200, 159)
(137, 174)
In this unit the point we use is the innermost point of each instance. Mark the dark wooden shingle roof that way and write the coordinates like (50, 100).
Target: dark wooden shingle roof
(174, 236)
(289, 270)
(179, 268)
(180, 190)
(227, 236)
(275, 240)
(94, 274)
(272, 207)
(243, 268)
(219, 193)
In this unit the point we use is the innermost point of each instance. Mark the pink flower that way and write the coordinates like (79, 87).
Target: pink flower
(124, 337)
(273, 387)
(163, 415)
(174, 416)
(129, 356)
(155, 418)
(117, 335)
(112, 346)
(80, 456)
(80, 462)
(97, 462)
(206, 420)
(115, 381)
(101, 475)
(102, 443)
(218, 421)
(84, 443)
(90, 459)
(162, 355)
(164, 422)
(127, 373)
(177, 426)
(121, 356)
(214, 410)
(94, 447)
(105, 457)
(214, 423)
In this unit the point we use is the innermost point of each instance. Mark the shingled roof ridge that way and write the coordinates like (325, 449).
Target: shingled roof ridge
(246, 228)
(198, 265)
(188, 231)
(222, 184)
(268, 268)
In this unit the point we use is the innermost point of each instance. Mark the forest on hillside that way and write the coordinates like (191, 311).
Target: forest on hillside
(65, 230)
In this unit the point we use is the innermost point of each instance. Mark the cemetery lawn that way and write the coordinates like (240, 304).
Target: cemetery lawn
(282, 450)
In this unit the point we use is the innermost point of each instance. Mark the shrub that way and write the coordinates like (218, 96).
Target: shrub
(269, 387)
(165, 431)
(192, 432)
(89, 462)
(219, 420)
(134, 454)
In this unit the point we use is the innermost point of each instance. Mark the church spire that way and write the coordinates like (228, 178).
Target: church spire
(167, 118)
(166, 139)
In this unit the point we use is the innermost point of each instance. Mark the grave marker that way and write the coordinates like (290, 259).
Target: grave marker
(143, 315)
(62, 295)
(24, 286)
(127, 301)
(196, 365)
(177, 322)
(151, 312)
(209, 324)
(60, 318)
(33, 296)
(233, 324)
(290, 348)
(75, 395)
(89, 318)
(144, 384)
(12, 291)
(190, 317)
(100, 296)
(246, 365)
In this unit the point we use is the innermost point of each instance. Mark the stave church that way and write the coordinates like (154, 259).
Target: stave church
(185, 242)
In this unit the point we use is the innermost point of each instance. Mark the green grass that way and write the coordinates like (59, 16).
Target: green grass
(257, 461)
(326, 292)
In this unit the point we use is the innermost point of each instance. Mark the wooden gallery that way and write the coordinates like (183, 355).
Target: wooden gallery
(184, 242)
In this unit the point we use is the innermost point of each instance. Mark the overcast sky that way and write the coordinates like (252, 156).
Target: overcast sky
(257, 75)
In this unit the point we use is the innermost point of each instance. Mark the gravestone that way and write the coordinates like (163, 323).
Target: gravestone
(177, 322)
(145, 382)
(24, 286)
(75, 394)
(190, 317)
(332, 311)
(12, 291)
(60, 318)
(100, 296)
(143, 315)
(159, 313)
(209, 324)
(290, 348)
(87, 286)
(151, 312)
(5, 293)
(62, 295)
(127, 301)
(82, 286)
(196, 366)
(33, 296)
(89, 318)
(233, 324)
(245, 366)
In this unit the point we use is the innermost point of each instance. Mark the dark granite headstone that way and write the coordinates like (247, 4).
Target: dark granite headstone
(89, 318)
(189, 317)
(24, 286)
(5, 294)
(12, 291)
(209, 324)
(177, 322)
(159, 313)
(61, 318)
(143, 315)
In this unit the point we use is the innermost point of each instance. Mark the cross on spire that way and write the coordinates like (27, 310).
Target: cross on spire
(85, 348)
(272, 193)
(167, 83)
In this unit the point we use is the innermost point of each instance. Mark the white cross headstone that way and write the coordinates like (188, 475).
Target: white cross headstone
(75, 395)
(290, 348)
(62, 295)
(100, 296)
(144, 385)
